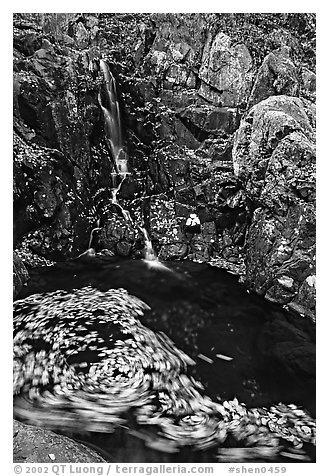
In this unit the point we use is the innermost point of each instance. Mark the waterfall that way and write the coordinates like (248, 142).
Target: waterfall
(150, 254)
(125, 213)
(92, 233)
(112, 118)
(111, 111)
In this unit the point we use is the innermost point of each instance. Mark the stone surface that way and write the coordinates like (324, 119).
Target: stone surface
(36, 445)
(308, 84)
(261, 132)
(184, 83)
(282, 344)
(194, 182)
(274, 156)
(277, 76)
(51, 211)
(117, 235)
(55, 115)
(225, 72)
(210, 120)
(20, 274)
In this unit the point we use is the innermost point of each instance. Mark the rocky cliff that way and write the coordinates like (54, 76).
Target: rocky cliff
(218, 117)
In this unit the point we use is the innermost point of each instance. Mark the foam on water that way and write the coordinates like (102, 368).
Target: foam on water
(156, 264)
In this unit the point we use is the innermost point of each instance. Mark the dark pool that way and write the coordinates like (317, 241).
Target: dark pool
(244, 346)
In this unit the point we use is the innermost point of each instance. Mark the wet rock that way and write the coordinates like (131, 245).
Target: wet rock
(117, 235)
(37, 445)
(226, 72)
(49, 210)
(123, 248)
(20, 275)
(55, 119)
(292, 348)
(277, 76)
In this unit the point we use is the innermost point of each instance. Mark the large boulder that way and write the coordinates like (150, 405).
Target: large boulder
(118, 234)
(277, 76)
(226, 72)
(261, 134)
(274, 157)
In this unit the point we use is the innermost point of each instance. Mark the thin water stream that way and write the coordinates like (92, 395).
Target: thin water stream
(112, 119)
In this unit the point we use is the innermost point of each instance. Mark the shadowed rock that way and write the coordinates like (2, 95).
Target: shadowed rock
(37, 445)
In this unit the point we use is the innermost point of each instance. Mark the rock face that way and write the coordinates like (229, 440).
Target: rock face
(20, 274)
(274, 156)
(54, 120)
(51, 211)
(226, 71)
(36, 445)
(185, 83)
(277, 76)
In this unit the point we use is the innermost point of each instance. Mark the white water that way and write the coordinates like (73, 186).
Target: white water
(156, 264)
(112, 118)
(115, 191)
(92, 234)
(151, 258)
(150, 254)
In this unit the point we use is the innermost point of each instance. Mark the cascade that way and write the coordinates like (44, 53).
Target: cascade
(112, 118)
(151, 258)
(92, 233)
(149, 251)
(115, 191)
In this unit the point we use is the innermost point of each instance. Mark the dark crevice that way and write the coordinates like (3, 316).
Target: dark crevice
(150, 35)
(28, 114)
(199, 134)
